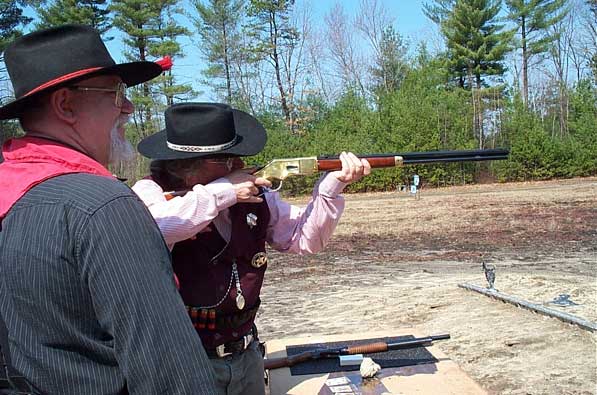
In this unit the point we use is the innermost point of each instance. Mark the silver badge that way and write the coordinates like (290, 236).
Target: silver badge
(251, 220)
(259, 260)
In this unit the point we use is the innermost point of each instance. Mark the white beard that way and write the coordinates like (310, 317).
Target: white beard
(121, 150)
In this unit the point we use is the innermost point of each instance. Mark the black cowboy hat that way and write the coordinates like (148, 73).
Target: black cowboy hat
(204, 129)
(51, 58)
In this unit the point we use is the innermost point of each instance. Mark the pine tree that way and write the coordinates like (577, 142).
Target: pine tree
(166, 44)
(11, 18)
(150, 32)
(533, 18)
(438, 11)
(11, 21)
(390, 68)
(218, 25)
(88, 12)
(136, 20)
(475, 40)
(476, 46)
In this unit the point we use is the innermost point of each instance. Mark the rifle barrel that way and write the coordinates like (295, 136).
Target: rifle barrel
(332, 162)
(458, 153)
(435, 154)
(414, 161)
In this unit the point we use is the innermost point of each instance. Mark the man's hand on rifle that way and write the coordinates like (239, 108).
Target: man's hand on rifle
(246, 185)
(353, 168)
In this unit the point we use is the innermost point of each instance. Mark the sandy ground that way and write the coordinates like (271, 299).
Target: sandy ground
(395, 262)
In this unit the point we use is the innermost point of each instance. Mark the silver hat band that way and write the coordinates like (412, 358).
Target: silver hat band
(201, 148)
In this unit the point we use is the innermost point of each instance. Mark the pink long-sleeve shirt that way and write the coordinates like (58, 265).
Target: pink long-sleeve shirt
(293, 229)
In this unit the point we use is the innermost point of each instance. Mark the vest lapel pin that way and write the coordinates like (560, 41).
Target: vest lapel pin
(251, 220)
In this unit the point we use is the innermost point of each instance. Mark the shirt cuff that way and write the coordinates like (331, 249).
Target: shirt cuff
(223, 192)
(330, 186)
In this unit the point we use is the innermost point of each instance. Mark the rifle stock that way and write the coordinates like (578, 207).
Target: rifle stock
(370, 348)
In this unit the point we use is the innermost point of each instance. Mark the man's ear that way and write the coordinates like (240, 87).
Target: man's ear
(61, 103)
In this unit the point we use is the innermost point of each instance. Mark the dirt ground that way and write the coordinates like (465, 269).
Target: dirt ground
(395, 262)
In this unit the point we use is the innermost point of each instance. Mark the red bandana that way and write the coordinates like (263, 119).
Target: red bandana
(30, 160)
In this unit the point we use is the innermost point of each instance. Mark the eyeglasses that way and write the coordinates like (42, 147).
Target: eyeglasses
(228, 161)
(120, 91)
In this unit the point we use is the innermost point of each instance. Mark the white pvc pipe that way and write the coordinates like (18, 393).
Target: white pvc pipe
(585, 324)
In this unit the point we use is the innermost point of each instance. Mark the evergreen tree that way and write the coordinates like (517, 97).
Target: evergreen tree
(390, 68)
(475, 40)
(11, 20)
(439, 10)
(150, 32)
(136, 20)
(166, 44)
(533, 18)
(476, 46)
(87, 12)
(218, 26)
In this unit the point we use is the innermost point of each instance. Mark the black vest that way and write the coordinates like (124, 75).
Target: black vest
(203, 265)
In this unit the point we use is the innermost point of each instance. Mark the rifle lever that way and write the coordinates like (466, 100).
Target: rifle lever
(265, 190)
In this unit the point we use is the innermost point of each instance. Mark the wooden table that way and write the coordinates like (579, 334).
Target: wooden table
(443, 377)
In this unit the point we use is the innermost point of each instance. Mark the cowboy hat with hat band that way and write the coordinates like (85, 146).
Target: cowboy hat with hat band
(52, 58)
(195, 130)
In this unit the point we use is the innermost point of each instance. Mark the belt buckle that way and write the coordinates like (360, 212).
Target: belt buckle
(221, 351)
(247, 339)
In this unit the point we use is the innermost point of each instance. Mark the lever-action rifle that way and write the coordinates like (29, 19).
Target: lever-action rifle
(275, 363)
(279, 169)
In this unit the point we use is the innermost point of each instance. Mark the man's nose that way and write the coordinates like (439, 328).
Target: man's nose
(238, 163)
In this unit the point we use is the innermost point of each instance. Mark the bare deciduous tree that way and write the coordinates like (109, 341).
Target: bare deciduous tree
(590, 37)
(560, 54)
(342, 48)
(372, 21)
(318, 65)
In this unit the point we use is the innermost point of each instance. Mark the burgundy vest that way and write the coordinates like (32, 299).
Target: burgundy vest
(204, 268)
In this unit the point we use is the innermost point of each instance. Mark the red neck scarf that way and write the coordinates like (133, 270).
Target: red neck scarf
(29, 161)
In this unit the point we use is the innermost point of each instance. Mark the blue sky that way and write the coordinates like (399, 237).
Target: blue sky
(408, 16)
